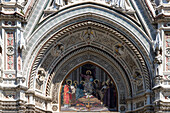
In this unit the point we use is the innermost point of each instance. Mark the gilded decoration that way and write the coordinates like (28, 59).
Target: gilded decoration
(86, 89)
(84, 56)
(94, 58)
(95, 43)
(100, 38)
(84, 40)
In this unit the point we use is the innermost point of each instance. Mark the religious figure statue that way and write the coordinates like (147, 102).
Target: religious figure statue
(67, 94)
(118, 3)
(40, 76)
(158, 48)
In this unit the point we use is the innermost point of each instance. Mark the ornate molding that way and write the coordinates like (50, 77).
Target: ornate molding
(89, 23)
(62, 69)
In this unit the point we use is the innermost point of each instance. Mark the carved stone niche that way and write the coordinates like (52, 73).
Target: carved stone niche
(57, 49)
(40, 78)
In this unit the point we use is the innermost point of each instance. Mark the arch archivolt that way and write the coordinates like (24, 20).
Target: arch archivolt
(89, 42)
(43, 42)
(104, 40)
(89, 56)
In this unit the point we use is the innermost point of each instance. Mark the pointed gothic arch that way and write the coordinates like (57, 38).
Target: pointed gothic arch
(80, 65)
(51, 50)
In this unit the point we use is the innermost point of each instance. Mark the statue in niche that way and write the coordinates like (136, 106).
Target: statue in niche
(117, 3)
(158, 48)
(40, 78)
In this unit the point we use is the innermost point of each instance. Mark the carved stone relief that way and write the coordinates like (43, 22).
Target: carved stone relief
(72, 30)
(39, 102)
(72, 39)
(48, 60)
(99, 37)
(130, 61)
(57, 49)
(54, 108)
(10, 50)
(123, 5)
(55, 93)
(9, 95)
(105, 39)
(140, 104)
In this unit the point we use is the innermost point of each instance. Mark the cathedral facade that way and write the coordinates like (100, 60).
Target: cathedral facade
(84, 56)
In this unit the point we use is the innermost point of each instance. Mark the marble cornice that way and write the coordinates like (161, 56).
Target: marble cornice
(12, 15)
